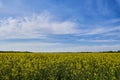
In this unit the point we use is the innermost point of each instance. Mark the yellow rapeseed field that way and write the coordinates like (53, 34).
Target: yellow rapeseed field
(59, 66)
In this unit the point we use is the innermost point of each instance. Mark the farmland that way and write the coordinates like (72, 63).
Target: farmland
(59, 66)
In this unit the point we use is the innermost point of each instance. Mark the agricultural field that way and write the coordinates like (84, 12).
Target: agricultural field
(59, 66)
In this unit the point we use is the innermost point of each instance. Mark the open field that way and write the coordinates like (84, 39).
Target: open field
(62, 66)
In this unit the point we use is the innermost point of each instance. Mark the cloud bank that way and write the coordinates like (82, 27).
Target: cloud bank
(55, 47)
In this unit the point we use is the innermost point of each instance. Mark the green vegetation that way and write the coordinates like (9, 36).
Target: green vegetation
(62, 66)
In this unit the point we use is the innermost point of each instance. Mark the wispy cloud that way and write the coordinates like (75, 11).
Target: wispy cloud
(99, 30)
(102, 30)
(36, 26)
(45, 24)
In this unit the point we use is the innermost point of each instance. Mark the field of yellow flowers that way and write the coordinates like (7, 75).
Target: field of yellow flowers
(59, 66)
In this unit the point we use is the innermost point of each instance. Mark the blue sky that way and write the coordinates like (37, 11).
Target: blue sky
(60, 25)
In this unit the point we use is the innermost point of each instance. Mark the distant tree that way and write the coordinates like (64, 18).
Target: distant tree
(118, 51)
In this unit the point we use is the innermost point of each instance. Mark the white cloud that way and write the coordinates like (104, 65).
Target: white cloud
(43, 25)
(108, 27)
(26, 46)
(93, 48)
(53, 47)
(36, 26)
(85, 40)
(105, 30)
(100, 30)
